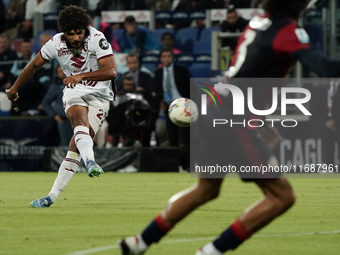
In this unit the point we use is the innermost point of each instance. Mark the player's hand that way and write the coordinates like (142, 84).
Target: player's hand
(12, 95)
(270, 135)
(72, 80)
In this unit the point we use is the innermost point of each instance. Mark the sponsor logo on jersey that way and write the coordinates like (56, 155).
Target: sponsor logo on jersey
(64, 53)
(96, 35)
(80, 70)
(79, 61)
(103, 44)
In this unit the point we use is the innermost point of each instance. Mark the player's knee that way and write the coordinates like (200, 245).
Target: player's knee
(284, 201)
(209, 193)
(289, 199)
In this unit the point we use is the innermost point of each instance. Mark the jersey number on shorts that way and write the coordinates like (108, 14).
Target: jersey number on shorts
(101, 115)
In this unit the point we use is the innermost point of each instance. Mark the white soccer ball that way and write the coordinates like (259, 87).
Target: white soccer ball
(183, 112)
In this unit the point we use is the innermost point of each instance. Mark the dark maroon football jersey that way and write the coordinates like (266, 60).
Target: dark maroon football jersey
(266, 46)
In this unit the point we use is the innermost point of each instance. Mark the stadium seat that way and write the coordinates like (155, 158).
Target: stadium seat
(118, 33)
(159, 32)
(200, 70)
(36, 44)
(205, 34)
(185, 39)
(203, 45)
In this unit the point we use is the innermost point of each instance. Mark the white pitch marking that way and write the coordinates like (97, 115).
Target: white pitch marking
(111, 247)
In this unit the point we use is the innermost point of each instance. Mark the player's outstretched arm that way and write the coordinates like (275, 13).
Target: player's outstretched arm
(27, 72)
(108, 71)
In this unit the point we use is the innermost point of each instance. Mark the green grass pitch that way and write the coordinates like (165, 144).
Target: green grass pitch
(93, 213)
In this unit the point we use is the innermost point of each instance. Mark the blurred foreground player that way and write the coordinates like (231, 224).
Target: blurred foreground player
(267, 48)
(86, 58)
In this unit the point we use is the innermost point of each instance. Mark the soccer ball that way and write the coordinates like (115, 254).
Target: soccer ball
(183, 112)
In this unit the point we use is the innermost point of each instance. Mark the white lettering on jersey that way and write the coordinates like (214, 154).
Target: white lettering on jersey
(302, 35)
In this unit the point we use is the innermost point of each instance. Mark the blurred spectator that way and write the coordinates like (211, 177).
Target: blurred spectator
(106, 29)
(168, 42)
(53, 106)
(137, 38)
(142, 80)
(129, 117)
(31, 94)
(234, 24)
(46, 73)
(32, 7)
(128, 85)
(6, 54)
(14, 15)
(172, 82)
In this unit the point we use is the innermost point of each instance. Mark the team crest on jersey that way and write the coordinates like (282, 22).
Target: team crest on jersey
(104, 44)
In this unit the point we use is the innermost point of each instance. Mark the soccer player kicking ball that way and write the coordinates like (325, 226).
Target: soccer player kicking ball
(268, 47)
(86, 58)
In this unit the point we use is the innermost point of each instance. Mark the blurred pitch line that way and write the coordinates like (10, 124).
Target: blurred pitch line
(112, 247)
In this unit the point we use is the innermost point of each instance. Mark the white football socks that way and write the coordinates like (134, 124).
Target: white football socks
(141, 245)
(210, 249)
(67, 169)
(84, 142)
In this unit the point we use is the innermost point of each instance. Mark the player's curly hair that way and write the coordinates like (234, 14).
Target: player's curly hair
(291, 8)
(72, 17)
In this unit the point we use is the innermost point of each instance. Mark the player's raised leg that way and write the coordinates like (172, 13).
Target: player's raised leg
(83, 133)
(78, 116)
(179, 206)
(279, 197)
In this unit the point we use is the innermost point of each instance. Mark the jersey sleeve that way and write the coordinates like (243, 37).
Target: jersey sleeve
(101, 46)
(47, 51)
(290, 39)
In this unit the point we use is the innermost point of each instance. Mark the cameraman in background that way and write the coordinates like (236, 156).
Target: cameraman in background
(129, 117)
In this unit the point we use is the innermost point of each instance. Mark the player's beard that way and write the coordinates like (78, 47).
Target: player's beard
(75, 45)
